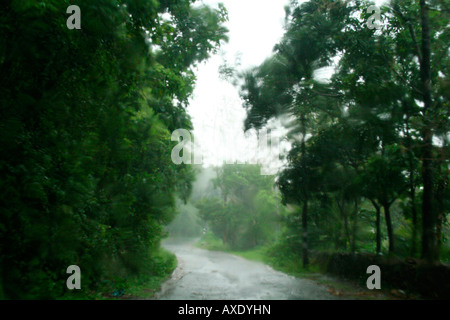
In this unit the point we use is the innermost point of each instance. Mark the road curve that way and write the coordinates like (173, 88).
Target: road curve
(211, 275)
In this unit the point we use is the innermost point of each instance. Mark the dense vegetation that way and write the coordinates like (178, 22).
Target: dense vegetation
(86, 117)
(247, 212)
(85, 135)
(369, 166)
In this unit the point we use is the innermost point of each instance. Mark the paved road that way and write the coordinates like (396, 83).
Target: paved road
(209, 275)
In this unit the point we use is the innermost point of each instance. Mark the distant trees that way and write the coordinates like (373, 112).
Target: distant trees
(86, 117)
(186, 224)
(365, 137)
(247, 213)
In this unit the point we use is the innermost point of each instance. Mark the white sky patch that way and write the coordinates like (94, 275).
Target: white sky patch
(438, 141)
(255, 26)
(420, 103)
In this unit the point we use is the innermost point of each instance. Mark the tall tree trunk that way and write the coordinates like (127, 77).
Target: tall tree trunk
(354, 226)
(377, 225)
(305, 200)
(412, 189)
(341, 208)
(347, 231)
(428, 214)
(440, 220)
(390, 231)
(441, 189)
(414, 221)
(305, 233)
(412, 195)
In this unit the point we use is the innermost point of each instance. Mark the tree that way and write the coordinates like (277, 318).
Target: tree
(85, 170)
(284, 84)
(429, 245)
(245, 215)
(369, 115)
(384, 182)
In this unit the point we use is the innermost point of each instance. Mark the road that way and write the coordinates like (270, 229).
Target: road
(210, 275)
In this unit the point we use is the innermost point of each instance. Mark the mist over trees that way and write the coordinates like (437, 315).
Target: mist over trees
(187, 223)
(248, 211)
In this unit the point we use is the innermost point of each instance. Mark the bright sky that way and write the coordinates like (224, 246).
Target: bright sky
(255, 26)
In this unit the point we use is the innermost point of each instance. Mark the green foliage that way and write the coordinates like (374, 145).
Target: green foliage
(210, 241)
(161, 265)
(358, 140)
(247, 214)
(86, 116)
(382, 176)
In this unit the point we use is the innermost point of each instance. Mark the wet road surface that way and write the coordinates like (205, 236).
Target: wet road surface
(210, 275)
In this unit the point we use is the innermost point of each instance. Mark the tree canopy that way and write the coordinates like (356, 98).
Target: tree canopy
(368, 135)
(86, 120)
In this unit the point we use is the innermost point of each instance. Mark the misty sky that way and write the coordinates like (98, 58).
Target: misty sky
(255, 27)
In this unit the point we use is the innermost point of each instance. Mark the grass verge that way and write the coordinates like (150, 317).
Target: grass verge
(140, 287)
(263, 254)
(291, 265)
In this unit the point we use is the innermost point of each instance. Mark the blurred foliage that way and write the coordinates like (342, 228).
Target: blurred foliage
(85, 134)
(359, 140)
(247, 213)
